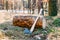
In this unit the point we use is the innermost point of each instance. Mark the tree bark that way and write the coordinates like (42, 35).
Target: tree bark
(26, 21)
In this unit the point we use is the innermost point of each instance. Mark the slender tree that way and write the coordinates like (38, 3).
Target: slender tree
(6, 4)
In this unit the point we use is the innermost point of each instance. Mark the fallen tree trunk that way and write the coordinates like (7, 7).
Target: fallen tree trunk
(26, 21)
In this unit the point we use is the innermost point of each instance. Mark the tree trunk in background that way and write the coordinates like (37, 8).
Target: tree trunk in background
(52, 7)
(6, 5)
(40, 5)
(29, 4)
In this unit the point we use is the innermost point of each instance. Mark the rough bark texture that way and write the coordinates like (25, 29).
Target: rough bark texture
(53, 8)
(26, 21)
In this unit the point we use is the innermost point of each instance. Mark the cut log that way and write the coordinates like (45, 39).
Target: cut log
(26, 21)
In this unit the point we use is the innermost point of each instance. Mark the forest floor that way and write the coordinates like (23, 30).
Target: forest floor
(10, 32)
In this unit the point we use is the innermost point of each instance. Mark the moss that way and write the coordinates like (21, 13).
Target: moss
(56, 22)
